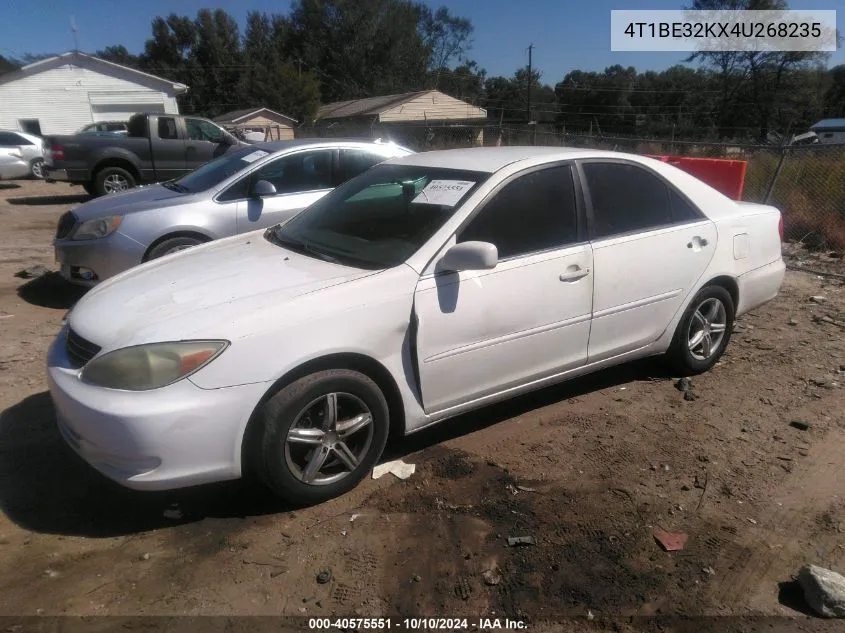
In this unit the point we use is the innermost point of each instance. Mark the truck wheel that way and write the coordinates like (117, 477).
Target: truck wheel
(113, 180)
(172, 245)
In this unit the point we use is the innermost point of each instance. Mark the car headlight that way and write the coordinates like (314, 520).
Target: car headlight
(151, 366)
(100, 227)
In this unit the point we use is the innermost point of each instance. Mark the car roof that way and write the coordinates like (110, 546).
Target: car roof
(275, 146)
(492, 159)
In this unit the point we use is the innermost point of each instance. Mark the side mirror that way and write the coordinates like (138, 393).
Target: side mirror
(263, 189)
(225, 139)
(470, 256)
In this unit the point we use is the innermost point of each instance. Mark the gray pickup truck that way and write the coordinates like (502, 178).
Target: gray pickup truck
(156, 148)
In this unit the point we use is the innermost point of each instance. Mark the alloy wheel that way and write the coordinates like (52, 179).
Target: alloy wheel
(114, 183)
(329, 438)
(707, 329)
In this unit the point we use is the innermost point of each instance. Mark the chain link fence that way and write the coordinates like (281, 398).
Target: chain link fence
(807, 183)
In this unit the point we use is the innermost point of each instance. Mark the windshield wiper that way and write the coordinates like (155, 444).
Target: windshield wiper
(286, 241)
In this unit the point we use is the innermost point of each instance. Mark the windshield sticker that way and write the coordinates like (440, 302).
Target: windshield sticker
(445, 192)
(251, 158)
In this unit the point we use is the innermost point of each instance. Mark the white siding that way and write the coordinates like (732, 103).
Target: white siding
(433, 106)
(60, 97)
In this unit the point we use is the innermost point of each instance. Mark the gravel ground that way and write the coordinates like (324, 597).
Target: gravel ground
(589, 469)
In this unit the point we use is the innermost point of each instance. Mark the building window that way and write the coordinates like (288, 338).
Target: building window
(30, 126)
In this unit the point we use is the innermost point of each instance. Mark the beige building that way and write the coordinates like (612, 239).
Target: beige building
(256, 122)
(429, 117)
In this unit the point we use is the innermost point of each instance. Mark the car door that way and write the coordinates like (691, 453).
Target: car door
(168, 150)
(203, 142)
(650, 246)
(300, 179)
(481, 332)
(27, 148)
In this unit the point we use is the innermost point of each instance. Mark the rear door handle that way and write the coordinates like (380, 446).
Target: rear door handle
(574, 273)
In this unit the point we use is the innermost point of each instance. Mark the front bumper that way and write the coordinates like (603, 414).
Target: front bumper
(177, 436)
(88, 262)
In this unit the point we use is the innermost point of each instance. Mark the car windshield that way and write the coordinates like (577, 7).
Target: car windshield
(380, 218)
(213, 173)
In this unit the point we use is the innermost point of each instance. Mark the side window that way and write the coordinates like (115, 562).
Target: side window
(305, 171)
(626, 198)
(199, 130)
(238, 191)
(7, 139)
(682, 210)
(533, 213)
(167, 128)
(354, 162)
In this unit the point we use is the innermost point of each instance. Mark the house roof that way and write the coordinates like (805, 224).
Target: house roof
(829, 124)
(83, 58)
(236, 116)
(370, 106)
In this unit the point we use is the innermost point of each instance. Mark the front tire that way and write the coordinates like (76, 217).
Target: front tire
(173, 245)
(703, 332)
(113, 180)
(321, 435)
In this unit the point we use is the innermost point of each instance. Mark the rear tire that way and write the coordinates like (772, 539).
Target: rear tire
(173, 245)
(321, 435)
(36, 168)
(113, 180)
(703, 332)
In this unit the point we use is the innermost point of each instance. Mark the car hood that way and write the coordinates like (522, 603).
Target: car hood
(132, 201)
(201, 291)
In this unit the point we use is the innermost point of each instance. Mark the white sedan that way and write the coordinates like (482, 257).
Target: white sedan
(430, 285)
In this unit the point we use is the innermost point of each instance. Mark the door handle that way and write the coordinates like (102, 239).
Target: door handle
(574, 273)
(697, 241)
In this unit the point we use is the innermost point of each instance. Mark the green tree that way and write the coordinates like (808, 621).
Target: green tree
(119, 55)
(269, 80)
(359, 49)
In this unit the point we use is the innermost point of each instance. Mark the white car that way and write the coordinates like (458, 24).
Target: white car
(429, 285)
(29, 146)
(12, 164)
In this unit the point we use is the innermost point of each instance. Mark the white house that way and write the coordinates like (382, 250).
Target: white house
(830, 130)
(61, 94)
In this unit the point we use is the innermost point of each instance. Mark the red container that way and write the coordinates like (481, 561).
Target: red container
(726, 176)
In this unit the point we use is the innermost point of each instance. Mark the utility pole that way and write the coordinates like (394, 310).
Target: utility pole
(530, 48)
(74, 32)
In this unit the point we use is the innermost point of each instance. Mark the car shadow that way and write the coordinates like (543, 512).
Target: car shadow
(51, 291)
(45, 487)
(48, 200)
(642, 370)
(9, 185)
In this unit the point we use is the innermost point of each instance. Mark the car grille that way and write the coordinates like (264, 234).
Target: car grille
(79, 350)
(66, 224)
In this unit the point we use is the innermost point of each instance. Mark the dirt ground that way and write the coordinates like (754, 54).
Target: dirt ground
(605, 460)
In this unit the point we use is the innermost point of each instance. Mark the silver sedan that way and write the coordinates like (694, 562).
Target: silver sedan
(250, 189)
